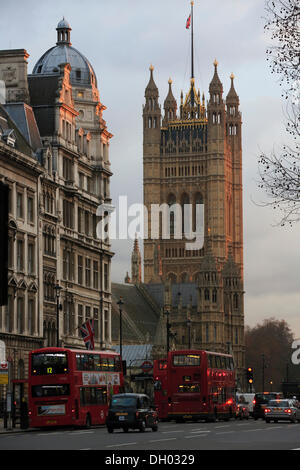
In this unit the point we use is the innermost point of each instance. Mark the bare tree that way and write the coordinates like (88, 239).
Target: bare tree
(273, 340)
(280, 171)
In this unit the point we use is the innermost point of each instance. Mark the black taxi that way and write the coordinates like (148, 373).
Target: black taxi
(131, 411)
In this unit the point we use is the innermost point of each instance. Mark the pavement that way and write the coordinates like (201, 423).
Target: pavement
(4, 430)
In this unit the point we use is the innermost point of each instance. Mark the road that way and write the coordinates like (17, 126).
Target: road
(231, 435)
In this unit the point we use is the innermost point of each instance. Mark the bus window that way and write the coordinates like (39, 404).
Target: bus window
(186, 360)
(49, 363)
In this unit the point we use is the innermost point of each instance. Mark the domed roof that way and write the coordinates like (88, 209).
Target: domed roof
(82, 72)
(63, 24)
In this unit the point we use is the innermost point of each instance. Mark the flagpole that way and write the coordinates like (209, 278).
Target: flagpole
(192, 42)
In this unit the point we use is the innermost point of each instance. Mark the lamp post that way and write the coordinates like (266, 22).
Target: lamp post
(188, 324)
(167, 313)
(263, 372)
(120, 303)
(57, 288)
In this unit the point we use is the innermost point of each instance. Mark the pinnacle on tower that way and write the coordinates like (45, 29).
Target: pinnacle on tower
(216, 84)
(170, 104)
(136, 264)
(151, 89)
(232, 94)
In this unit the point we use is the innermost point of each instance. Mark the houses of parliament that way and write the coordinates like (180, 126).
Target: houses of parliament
(192, 154)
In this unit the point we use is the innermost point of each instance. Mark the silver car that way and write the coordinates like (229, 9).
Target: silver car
(282, 410)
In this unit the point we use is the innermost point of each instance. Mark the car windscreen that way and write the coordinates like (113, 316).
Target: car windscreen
(264, 398)
(123, 402)
(279, 404)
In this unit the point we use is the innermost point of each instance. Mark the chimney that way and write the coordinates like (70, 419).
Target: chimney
(13, 72)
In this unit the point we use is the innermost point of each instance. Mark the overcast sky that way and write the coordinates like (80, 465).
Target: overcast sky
(121, 38)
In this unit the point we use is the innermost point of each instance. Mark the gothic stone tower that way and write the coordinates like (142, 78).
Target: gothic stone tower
(195, 157)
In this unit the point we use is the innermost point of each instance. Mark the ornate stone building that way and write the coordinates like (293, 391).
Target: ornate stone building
(193, 156)
(54, 155)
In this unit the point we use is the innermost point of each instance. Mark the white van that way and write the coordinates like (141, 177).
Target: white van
(246, 398)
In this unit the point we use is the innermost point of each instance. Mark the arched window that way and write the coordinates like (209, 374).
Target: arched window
(172, 277)
(186, 214)
(184, 277)
(206, 294)
(171, 201)
(214, 295)
(235, 301)
(198, 200)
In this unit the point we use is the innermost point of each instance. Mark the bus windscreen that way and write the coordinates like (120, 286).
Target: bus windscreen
(49, 363)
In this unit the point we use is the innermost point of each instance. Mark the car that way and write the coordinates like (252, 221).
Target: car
(282, 410)
(131, 411)
(261, 401)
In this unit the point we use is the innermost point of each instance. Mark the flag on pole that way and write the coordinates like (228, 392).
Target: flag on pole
(188, 22)
(88, 333)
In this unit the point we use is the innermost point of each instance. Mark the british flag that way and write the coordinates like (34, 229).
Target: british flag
(88, 332)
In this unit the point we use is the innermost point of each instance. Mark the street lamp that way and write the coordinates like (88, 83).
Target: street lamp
(57, 288)
(120, 303)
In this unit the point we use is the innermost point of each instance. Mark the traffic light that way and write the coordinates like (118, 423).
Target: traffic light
(250, 375)
(4, 189)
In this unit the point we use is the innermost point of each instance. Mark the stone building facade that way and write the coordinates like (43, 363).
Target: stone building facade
(54, 155)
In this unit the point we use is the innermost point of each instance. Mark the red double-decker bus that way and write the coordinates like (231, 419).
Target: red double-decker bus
(71, 387)
(196, 385)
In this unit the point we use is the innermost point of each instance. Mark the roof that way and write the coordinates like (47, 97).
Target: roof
(139, 318)
(23, 116)
(135, 352)
(43, 95)
(81, 73)
(7, 124)
(187, 290)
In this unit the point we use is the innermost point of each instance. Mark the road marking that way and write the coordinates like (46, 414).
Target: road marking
(225, 426)
(252, 430)
(82, 432)
(273, 427)
(168, 432)
(195, 435)
(125, 444)
(225, 432)
(161, 440)
(196, 432)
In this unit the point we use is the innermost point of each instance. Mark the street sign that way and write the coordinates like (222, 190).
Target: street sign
(2, 351)
(4, 373)
(147, 366)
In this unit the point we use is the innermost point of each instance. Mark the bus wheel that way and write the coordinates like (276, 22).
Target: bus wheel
(88, 421)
